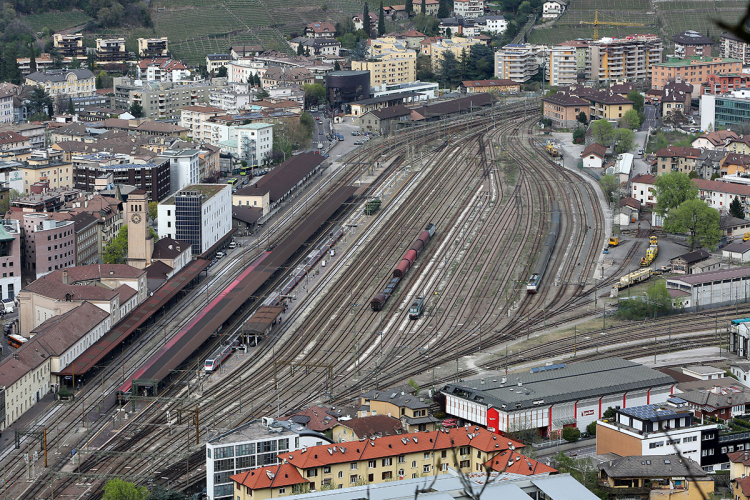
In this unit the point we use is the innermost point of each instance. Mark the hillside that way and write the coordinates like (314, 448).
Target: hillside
(665, 18)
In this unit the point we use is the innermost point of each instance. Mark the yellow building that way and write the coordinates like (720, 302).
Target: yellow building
(739, 464)
(58, 174)
(457, 45)
(412, 410)
(67, 82)
(389, 458)
(741, 146)
(389, 62)
(69, 45)
(608, 106)
(253, 197)
(153, 47)
(374, 426)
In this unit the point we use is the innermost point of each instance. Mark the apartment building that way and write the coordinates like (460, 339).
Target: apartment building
(49, 244)
(552, 9)
(56, 174)
(10, 258)
(69, 45)
(322, 29)
(563, 109)
(162, 69)
(200, 215)
(582, 51)
(413, 411)
(111, 50)
(617, 59)
(608, 105)
(734, 47)
(255, 143)
(457, 45)
(390, 62)
(562, 68)
(694, 70)
(691, 43)
(275, 76)
(152, 176)
(316, 46)
(517, 62)
(160, 100)
(676, 159)
(470, 9)
(153, 47)
(43, 62)
(193, 117)
(183, 167)
(65, 82)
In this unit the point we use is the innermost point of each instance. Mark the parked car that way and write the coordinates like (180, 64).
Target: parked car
(219, 255)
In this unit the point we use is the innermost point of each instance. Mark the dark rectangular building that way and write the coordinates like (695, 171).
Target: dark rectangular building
(152, 177)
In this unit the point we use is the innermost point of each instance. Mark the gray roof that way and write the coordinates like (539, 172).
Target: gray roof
(737, 248)
(653, 466)
(572, 382)
(562, 487)
(723, 274)
(704, 369)
(693, 257)
(398, 398)
(715, 401)
(60, 75)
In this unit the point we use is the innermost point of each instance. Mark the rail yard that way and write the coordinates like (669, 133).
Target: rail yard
(493, 214)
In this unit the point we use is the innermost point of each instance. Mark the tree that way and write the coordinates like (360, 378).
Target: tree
(637, 99)
(443, 9)
(448, 33)
(221, 72)
(608, 413)
(40, 102)
(117, 489)
(261, 94)
(624, 138)
(9, 69)
(71, 107)
(571, 434)
(672, 190)
(693, 174)
(116, 251)
(336, 66)
(381, 20)
(630, 120)
(162, 493)
(153, 209)
(300, 49)
(735, 208)
(603, 132)
(366, 20)
(136, 109)
(582, 118)
(525, 8)
(700, 221)
(315, 94)
(32, 58)
(449, 72)
(591, 429)
(660, 141)
(579, 136)
(610, 186)
(409, 7)
(424, 8)
(75, 63)
(90, 61)
(658, 297)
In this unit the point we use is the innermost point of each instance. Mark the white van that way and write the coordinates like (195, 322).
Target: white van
(219, 255)
(232, 245)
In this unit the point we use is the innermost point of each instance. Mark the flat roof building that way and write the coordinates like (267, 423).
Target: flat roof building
(712, 289)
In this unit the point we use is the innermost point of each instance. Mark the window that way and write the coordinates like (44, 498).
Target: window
(353, 466)
(464, 464)
(414, 464)
(426, 468)
(402, 459)
(311, 472)
(282, 491)
(372, 464)
(387, 461)
(464, 450)
(353, 478)
(327, 469)
(341, 474)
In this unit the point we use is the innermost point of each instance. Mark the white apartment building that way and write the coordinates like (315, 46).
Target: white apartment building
(252, 445)
(623, 59)
(162, 70)
(561, 68)
(192, 117)
(493, 24)
(517, 62)
(240, 70)
(199, 214)
(469, 9)
(183, 167)
(255, 142)
(717, 194)
(734, 47)
(230, 101)
(553, 9)
(6, 106)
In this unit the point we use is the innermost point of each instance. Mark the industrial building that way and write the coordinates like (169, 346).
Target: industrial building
(712, 289)
(552, 397)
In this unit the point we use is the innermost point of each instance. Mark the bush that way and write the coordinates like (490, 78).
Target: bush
(591, 429)
(571, 434)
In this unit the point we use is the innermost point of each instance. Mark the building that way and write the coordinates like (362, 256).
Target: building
(715, 140)
(721, 111)
(153, 177)
(111, 50)
(735, 164)
(517, 62)
(459, 26)
(255, 143)
(552, 9)
(736, 252)
(199, 214)
(251, 446)
(725, 83)
(704, 372)
(43, 62)
(114, 288)
(414, 411)
(360, 108)
(276, 76)
(360, 429)
(153, 47)
(49, 244)
(161, 100)
(183, 166)
(385, 121)
(470, 9)
(711, 289)
(322, 29)
(10, 259)
(657, 476)
(193, 118)
(562, 68)
(216, 61)
(17, 143)
(389, 62)
(457, 45)
(87, 244)
(359, 21)
(623, 59)
(140, 239)
(6, 106)
(105, 209)
(69, 83)
(734, 47)
(315, 418)
(424, 91)
(717, 194)
(608, 105)
(291, 175)
(691, 43)
(495, 86)
(676, 159)
(162, 69)
(694, 70)
(329, 47)
(673, 102)
(554, 397)
(347, 86)
(385, 459)
(230, 101)
(69, 45)
(493, 24)
(683, 264)
(563, 109)
(593, 155)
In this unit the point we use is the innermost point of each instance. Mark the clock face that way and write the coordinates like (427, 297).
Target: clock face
(136, 218)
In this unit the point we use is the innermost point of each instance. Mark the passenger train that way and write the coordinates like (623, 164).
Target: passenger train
(540, 268)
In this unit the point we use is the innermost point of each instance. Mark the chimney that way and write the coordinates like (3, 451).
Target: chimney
(65, 276)
(716, 389)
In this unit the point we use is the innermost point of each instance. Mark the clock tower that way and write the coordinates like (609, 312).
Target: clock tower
(140, 241)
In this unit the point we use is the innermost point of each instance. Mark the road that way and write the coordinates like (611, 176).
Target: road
(650, 112)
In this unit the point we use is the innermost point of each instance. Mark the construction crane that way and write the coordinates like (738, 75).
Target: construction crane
(596, 22)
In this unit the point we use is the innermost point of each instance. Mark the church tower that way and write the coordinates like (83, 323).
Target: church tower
(140, 241)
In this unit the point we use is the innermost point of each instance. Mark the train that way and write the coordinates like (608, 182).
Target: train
(217, 358)
(651, 252)
(537, 274)
(378, 301)
(417, 308)
(633, 278)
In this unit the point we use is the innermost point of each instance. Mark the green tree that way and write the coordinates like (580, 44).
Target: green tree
(75, 63)
(449, 72)
(300, 49)
(117, 489)
(32, 58)
(660, 141)
(610, 186)
(10, 71)
(630, 120)
(582, 118)
(40, 102)
(443, 9)
(221, 72)
(525, 8)
(637, 99)
(381, 20)
(136, 109)
(409, 7)
(700, 221)
(693, 174)
(624, 138)
(153, 209)
(315, 94)
(571, 434)
(603, 132)
(366, 20)
(658, 297)
(672, 190)
(424, 8)
(579, 136)
(162, 493)
(71, 107)
(609, 413)
(735, 208)
(591, 429)
(116, 251)
(336, 66)
(261, 94)
(90, 61)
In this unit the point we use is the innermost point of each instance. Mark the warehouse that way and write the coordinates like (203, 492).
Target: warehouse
(712, 289)
(552, 397)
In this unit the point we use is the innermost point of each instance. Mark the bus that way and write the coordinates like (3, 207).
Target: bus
(16, 340)
(232, 181)
(245, 170)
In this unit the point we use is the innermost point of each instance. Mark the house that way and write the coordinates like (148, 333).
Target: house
(493, 24)
(676, 159)
(593, 155)
(276, 76)
(704, 372)
(682, 264)
(69, 83)
(741, 370)
(622, 167)
(735, 163)
(359, 23)
(731, 226)
(740, 145)
(736, 252)
(553, 8)
(385, 121)
(322, 29)
(655, 477)
(412, 410)
(720, 403)
(673, 102)
(608, 105)
(359, 429)
(709, 161)
(691, 43)
(715, 140)
(470, 9)
(216, 61)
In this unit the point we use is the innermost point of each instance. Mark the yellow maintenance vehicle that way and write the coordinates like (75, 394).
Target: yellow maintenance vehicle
(633, 278)
(746, 237)
(552, 150)
(651, 253)
(614, 241)
(652, 240)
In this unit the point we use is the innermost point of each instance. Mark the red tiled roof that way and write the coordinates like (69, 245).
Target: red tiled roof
(321, 418)
(643, 178)
(515, 463)
(324, 27)
(11, 137)
(678, 152)
(274, 476)
(375, 425)
(594, 149)
(744, 485)
(739, 457)
(126, 293)
(736, 159)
